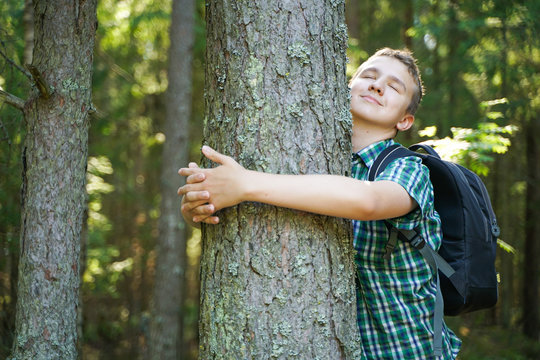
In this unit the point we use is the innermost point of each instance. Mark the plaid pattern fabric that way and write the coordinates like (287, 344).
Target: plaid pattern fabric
(396, 297)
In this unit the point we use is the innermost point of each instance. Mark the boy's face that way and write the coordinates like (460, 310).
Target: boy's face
(381, 92)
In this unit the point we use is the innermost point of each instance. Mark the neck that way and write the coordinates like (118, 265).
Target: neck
(363, 136)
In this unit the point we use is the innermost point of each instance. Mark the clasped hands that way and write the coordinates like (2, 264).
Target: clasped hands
(209, 190)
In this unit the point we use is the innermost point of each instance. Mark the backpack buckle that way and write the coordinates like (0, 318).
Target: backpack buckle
(495, 229)
(391, 243)
(418, 242)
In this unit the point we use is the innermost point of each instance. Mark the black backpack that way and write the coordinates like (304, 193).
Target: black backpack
(466, 258)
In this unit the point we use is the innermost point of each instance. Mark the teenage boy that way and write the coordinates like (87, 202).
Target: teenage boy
(395, 295)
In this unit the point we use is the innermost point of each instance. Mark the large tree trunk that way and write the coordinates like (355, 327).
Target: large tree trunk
(54, 169)
(277, 283)
(531, 278)
(166, 333)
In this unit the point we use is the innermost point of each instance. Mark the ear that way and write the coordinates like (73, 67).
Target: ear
(405, 123)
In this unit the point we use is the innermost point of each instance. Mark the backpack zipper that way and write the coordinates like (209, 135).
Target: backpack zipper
(495, 230)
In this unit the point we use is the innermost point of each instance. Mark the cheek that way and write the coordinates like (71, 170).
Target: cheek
(398, 101)
(356, 86)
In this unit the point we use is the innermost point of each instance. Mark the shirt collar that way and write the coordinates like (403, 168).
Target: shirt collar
(370, 152)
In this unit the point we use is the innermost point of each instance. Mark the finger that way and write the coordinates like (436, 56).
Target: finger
(189, 206)
(195, 178)
(189, 171)
(192, 196)
(212, 220)
(198, 208)
(183, 190)
(204, 210)
(193, 165)
(214, 155)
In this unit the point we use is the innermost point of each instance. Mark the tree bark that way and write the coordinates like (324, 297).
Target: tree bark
(166, 333)
(54, 170)
(277, 283)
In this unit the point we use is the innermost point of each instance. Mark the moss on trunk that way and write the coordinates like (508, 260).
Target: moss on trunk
(277, 283)
(54, 170)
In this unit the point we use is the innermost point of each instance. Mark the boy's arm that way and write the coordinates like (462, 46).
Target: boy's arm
(340, 196)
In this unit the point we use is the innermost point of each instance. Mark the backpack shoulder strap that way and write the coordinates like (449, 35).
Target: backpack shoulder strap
(428, 149)
(388, 155)
(436, 263)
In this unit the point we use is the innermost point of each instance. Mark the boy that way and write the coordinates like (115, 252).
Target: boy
(395, 296)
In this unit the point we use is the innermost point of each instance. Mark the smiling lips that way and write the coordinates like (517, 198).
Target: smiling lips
(371, 99)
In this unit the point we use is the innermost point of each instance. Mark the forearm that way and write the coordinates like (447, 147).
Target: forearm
(331, 195)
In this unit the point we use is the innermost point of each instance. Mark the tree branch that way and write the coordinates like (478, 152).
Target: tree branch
(95, 113)
(12, 63)
(11, 100)
(39, 81)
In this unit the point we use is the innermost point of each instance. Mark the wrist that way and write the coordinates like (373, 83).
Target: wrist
(249, 186)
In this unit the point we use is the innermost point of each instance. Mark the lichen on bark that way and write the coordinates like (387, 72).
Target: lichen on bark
(278, 283)
(54, 171)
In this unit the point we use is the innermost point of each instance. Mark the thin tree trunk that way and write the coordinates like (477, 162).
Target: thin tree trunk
(502, 182)
(277, 283)
(453, 68)
(353, 17)
(82, 268)
(531, 277)
(166, 334)
(54, 169)
(408, 22)
(28, 19)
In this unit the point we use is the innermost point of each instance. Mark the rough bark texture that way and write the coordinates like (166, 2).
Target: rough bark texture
(276, 283)
(54, 169)
(166, 332)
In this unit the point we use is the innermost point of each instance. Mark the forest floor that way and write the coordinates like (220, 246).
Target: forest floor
(483, 342)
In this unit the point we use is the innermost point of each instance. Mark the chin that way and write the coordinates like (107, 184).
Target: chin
(364, 114)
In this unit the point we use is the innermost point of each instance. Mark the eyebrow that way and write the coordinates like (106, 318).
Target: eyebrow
(392, 77)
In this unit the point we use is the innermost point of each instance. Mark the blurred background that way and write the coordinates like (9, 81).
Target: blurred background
(480, 62)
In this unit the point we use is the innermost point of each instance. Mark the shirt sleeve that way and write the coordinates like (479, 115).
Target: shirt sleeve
(413, 176)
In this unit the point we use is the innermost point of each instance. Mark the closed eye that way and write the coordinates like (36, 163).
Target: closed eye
(396, 86)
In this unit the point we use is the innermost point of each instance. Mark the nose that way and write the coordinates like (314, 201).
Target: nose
(376, 86)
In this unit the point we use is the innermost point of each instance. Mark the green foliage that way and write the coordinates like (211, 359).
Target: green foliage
(102, 271)
(124, 167)
(506, 246)
(11, 126)
(11, 139)
(472, 148)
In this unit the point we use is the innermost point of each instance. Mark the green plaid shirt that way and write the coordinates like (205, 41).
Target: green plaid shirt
(396, 297)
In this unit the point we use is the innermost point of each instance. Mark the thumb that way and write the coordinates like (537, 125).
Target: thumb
(214, 155)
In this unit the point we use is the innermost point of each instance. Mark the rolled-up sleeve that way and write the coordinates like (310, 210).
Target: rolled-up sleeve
(413, 176)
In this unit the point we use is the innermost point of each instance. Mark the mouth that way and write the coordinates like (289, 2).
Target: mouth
(371, 99)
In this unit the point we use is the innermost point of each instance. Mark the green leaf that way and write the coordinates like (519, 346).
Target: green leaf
(506, 246)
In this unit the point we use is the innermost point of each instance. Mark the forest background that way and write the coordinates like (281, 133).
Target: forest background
(480, 62)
